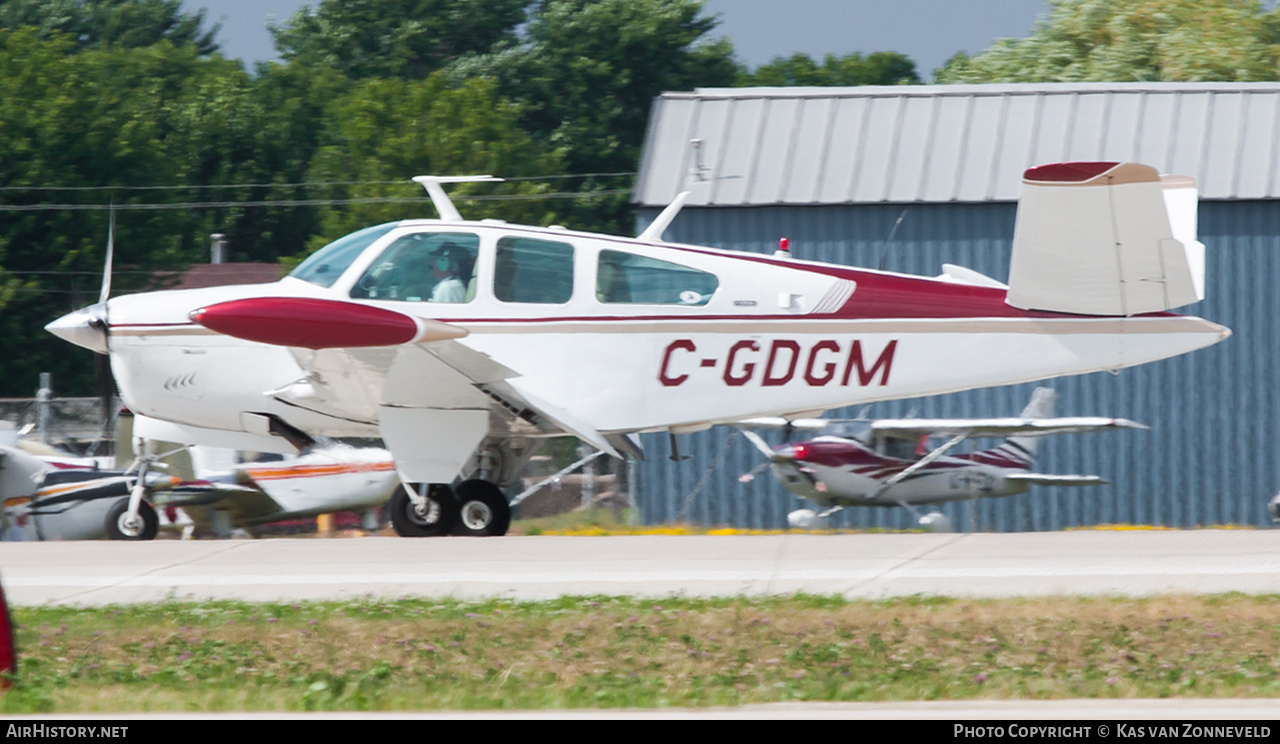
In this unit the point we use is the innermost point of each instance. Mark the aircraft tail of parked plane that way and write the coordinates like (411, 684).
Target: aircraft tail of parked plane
(1018, 449)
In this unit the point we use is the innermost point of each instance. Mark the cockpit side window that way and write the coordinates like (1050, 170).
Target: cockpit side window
(531, 270)
(902, 449)
(327, 264)
(422, 267)
(630, 278)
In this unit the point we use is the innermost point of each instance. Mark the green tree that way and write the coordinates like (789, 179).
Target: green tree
(396, 38)
(1133, 40)
(585, 76)
(128, 23)
(383, 132)
(877, 68)
(105, 122)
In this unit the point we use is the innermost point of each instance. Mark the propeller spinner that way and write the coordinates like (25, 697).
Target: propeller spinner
(90, 327)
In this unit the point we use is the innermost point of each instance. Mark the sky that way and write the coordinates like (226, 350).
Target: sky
(927, 31)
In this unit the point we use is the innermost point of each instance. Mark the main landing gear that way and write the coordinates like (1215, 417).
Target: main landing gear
(476, 508)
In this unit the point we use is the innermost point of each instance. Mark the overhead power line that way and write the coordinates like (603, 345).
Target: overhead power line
(301, 202)
(300, 184)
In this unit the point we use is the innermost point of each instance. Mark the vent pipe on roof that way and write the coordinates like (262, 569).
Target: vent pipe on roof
(217, 248)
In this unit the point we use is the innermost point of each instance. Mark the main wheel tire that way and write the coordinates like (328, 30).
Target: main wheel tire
(119, 527)
(437, 519)
(483, 510)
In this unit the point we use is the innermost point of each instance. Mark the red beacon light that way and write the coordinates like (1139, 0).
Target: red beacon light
(784, 249)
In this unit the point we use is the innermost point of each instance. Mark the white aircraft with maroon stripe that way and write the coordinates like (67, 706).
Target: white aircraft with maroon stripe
(464, 344)
(889, 462)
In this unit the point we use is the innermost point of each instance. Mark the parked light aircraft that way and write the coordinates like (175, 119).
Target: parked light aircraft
(53, 498)
(888, 462)
(559, 332)
(250, 494)
(67, 498)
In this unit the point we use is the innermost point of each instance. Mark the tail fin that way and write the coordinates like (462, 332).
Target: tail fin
(1105, 239)
(1041, 406)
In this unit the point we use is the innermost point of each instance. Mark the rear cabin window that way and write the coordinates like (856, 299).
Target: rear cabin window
(629, 278)
(423, 267)
(531, 270)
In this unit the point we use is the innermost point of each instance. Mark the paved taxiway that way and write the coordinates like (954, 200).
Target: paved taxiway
(867, 566)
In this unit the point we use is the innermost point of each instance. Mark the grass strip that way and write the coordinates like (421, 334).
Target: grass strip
(606, 652)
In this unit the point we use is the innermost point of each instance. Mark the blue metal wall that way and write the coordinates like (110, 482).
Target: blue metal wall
(1208, 458)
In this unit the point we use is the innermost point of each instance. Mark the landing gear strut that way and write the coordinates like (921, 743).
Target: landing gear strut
(132, 518)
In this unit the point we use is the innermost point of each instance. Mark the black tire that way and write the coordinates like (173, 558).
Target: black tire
(118, 529)
(442, 513)
(483, 510)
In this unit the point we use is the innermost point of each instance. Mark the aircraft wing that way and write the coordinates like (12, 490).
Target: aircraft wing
(1040, 479)
(241, 500)
(997, 427)
(432, 399)
(778, 422)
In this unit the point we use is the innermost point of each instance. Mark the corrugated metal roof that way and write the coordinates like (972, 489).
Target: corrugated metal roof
(943, 143)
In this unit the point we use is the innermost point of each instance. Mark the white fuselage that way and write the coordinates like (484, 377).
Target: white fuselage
(945, 480)
(777, 336)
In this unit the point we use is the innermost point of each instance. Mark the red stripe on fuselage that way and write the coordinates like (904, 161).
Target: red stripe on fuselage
(866, 462)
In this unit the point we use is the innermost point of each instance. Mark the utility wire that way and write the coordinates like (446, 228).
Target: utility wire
(181, 187)
(300, 202)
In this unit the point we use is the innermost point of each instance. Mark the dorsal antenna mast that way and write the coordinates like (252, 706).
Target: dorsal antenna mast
(440, 199)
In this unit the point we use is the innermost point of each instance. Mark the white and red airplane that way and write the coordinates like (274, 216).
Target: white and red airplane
(463, 344)
(227, 494)
(888, 462)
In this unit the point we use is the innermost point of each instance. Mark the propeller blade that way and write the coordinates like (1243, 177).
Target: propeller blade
(106, 269)
(759, 443)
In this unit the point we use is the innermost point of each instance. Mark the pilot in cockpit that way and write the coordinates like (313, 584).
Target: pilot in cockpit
(447, 268)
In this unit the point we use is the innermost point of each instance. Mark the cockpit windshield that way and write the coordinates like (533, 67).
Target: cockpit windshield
(327, 264)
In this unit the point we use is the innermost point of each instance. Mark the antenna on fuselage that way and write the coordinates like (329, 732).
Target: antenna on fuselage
(440, 199)
(885, 248)
(659, 225)
(698, 173)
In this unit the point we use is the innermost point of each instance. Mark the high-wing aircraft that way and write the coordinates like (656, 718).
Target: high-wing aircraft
(889, 462)
(463, 344)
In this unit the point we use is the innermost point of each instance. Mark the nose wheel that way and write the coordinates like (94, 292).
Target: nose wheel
(120, 525)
